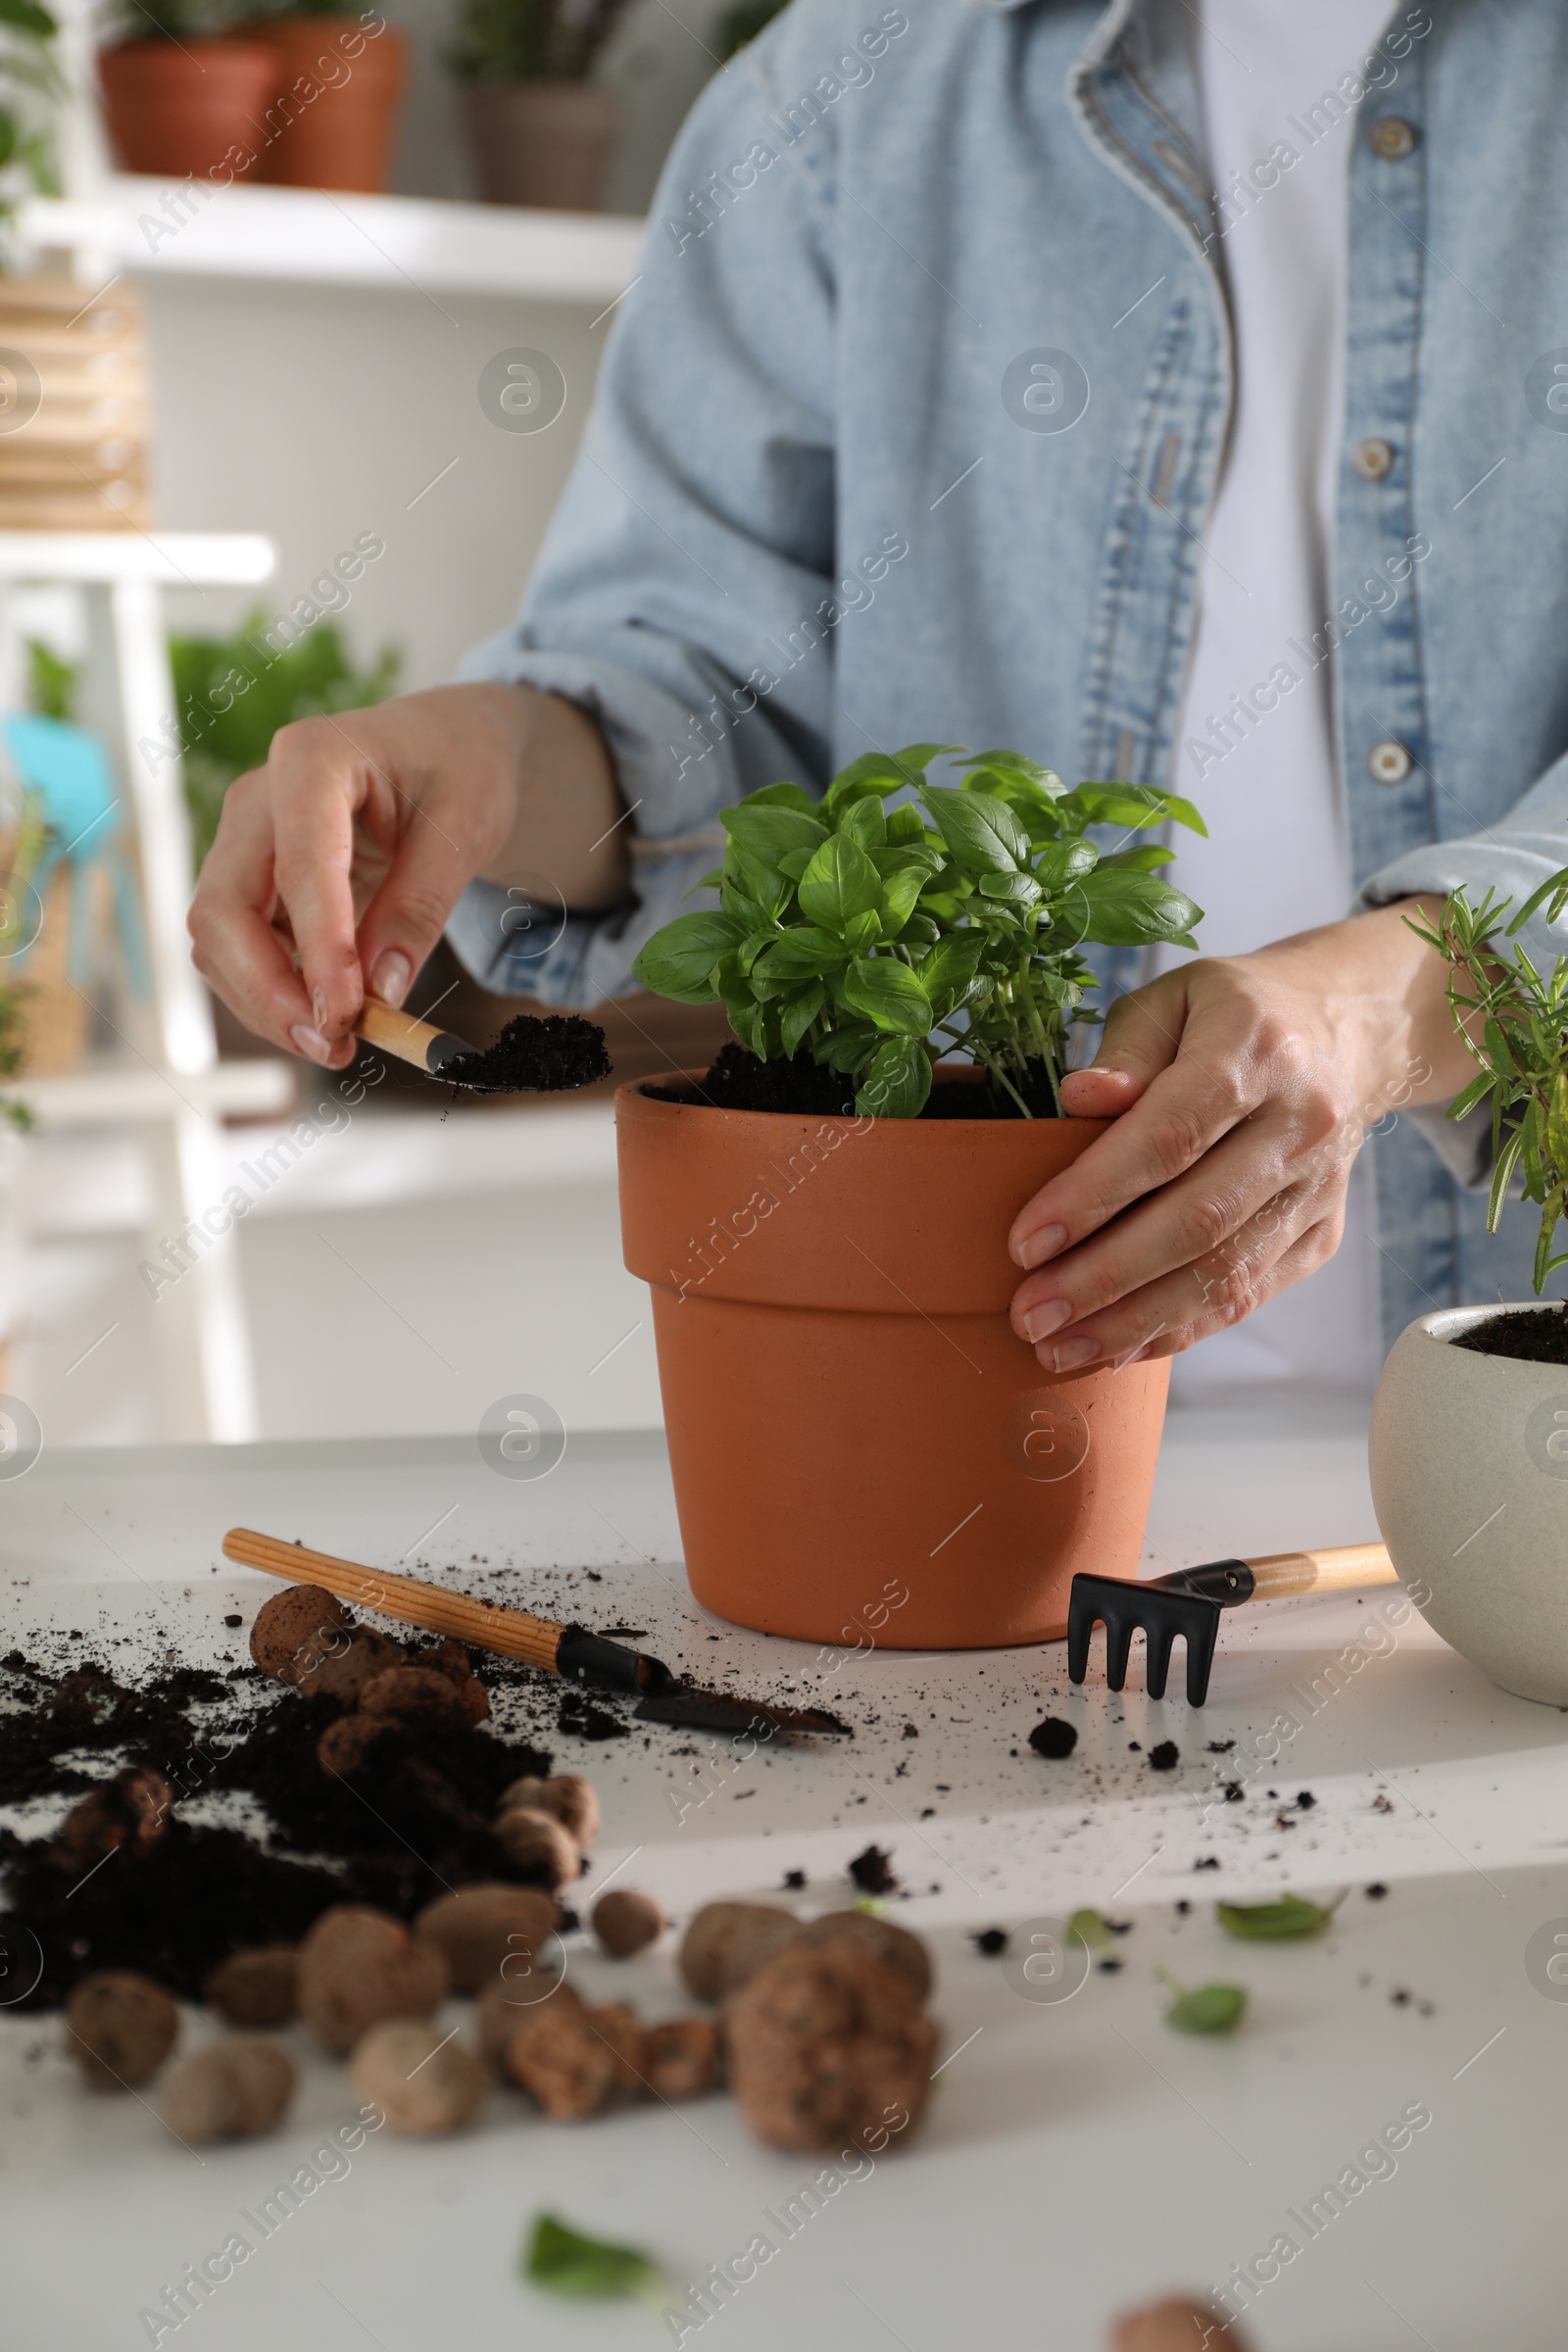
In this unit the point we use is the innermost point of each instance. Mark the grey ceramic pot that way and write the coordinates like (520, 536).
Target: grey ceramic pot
(1469, 1461)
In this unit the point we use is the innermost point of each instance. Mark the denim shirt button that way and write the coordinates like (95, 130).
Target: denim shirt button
(1372, 458)
(1389, 763)
(1392, 137)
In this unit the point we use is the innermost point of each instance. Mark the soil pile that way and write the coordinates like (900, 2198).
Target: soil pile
(534, 1055)
(739, 1081)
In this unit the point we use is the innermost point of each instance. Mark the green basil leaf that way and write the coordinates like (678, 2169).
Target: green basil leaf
(983, 834)
(887, 993)
(1138, 805)
(1012, 890)
(1088, 1928)
(796, 1017)
(780, 796)
(1276, 1922)
(920, 930)
(920, 857)
(865, 822)
(1121, 909)
(802, 953)
(905, 825)
(839, 883)
(900, 893)
(772, 833)
(564, 2262)
(793, 864)
(1206, 2008)
(897, 1083)
(1013, 768)
(1064, 861)
(678, 960)
(862, 931)
(847, 1047)
(1148, 858)
(948, 975)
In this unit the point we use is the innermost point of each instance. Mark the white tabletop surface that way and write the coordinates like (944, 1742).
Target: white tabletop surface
(1076, 2155)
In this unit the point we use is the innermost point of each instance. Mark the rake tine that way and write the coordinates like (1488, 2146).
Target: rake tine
(1120, 1627)
(1082, 1618)
(1200, 1641)
(1159, 1635)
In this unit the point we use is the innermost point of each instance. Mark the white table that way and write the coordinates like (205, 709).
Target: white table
(1077, 2155)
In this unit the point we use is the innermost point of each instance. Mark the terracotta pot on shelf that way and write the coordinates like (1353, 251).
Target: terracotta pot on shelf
(864, 1452)
(342, 136)
(176, 109)
(542, 143)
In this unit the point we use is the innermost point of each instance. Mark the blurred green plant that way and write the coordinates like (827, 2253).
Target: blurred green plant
(23, 842)
(1515, 1024)
(738, 26)
(232, 698)
(530, 40)
(32, 87)
(52, 683)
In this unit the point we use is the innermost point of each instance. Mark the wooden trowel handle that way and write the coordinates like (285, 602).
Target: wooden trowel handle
(1337, 1570)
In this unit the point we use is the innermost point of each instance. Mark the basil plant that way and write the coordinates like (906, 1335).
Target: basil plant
(878, 939)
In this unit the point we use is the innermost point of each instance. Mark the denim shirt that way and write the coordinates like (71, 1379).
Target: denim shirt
(910, 424)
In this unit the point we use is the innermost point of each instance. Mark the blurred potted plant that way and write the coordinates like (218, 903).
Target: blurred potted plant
(181, 96)
(1468, 1444)
(341, 77)
(541, 130)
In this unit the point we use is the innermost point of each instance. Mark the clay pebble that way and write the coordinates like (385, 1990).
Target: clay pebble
(567, 1796)
(680, 2058)
(421, 2084)
(119, 2028)
(237, 2090)
(626, 1922)
(259, 1987)
(727, 1941)
(127, 1811)
(490, 1931)
(295, 1630)
(537, 1845)
(825, 2046)
(1175, 2326)
(358, 1967)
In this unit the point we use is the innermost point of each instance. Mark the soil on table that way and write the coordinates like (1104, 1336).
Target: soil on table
(534, 1055)
(416, 1819)
(739, 1081)
(1536, 1339)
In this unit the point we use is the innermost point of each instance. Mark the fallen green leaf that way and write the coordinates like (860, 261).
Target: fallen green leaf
(1204, 2008)
(563, 2262)
(1276, 1922)
(1088, 1926)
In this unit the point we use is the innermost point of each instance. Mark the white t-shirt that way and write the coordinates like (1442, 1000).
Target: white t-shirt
(1277, 859)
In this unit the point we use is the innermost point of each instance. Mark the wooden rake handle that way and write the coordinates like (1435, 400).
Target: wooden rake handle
(510, 1633)
(1336, 1570)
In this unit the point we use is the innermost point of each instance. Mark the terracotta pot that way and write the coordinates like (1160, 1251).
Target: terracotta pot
(863, 1451)
(176, 109)
(341, 135)
(544, 143)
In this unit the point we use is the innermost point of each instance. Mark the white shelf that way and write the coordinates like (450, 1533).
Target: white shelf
(312, 237)
(104, 1098)
(166, 558)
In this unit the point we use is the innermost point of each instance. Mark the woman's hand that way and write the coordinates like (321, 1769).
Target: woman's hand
(1242, 1087)
(337, 864)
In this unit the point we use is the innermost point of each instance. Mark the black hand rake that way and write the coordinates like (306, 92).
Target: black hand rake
(1189, 1601)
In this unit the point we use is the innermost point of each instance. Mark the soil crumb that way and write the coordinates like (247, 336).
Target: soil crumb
(535, 1056)
(1053, 1737)
(872, 1871)
(739, 1081)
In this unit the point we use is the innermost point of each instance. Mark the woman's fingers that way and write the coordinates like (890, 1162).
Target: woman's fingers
(320, 781)
(1191, 1077)
(235, 945)
(1171, 1315)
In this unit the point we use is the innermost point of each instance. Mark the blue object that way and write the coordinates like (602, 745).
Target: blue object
(65, 768)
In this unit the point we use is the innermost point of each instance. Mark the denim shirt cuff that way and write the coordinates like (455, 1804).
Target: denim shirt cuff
(521, 944)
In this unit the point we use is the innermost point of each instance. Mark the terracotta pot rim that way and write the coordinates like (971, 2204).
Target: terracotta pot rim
(645, 1089)
(148, 46)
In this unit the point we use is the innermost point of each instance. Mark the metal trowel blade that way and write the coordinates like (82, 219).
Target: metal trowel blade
(718, 1711)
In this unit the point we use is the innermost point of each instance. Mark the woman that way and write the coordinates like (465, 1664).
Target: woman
(1157, 390)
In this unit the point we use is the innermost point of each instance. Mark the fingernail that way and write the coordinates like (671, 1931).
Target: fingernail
(1043, 1243)
(391, 977)
(319, 1007)
(310, 1042)
(1069, 1354)
(1041, 1321)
